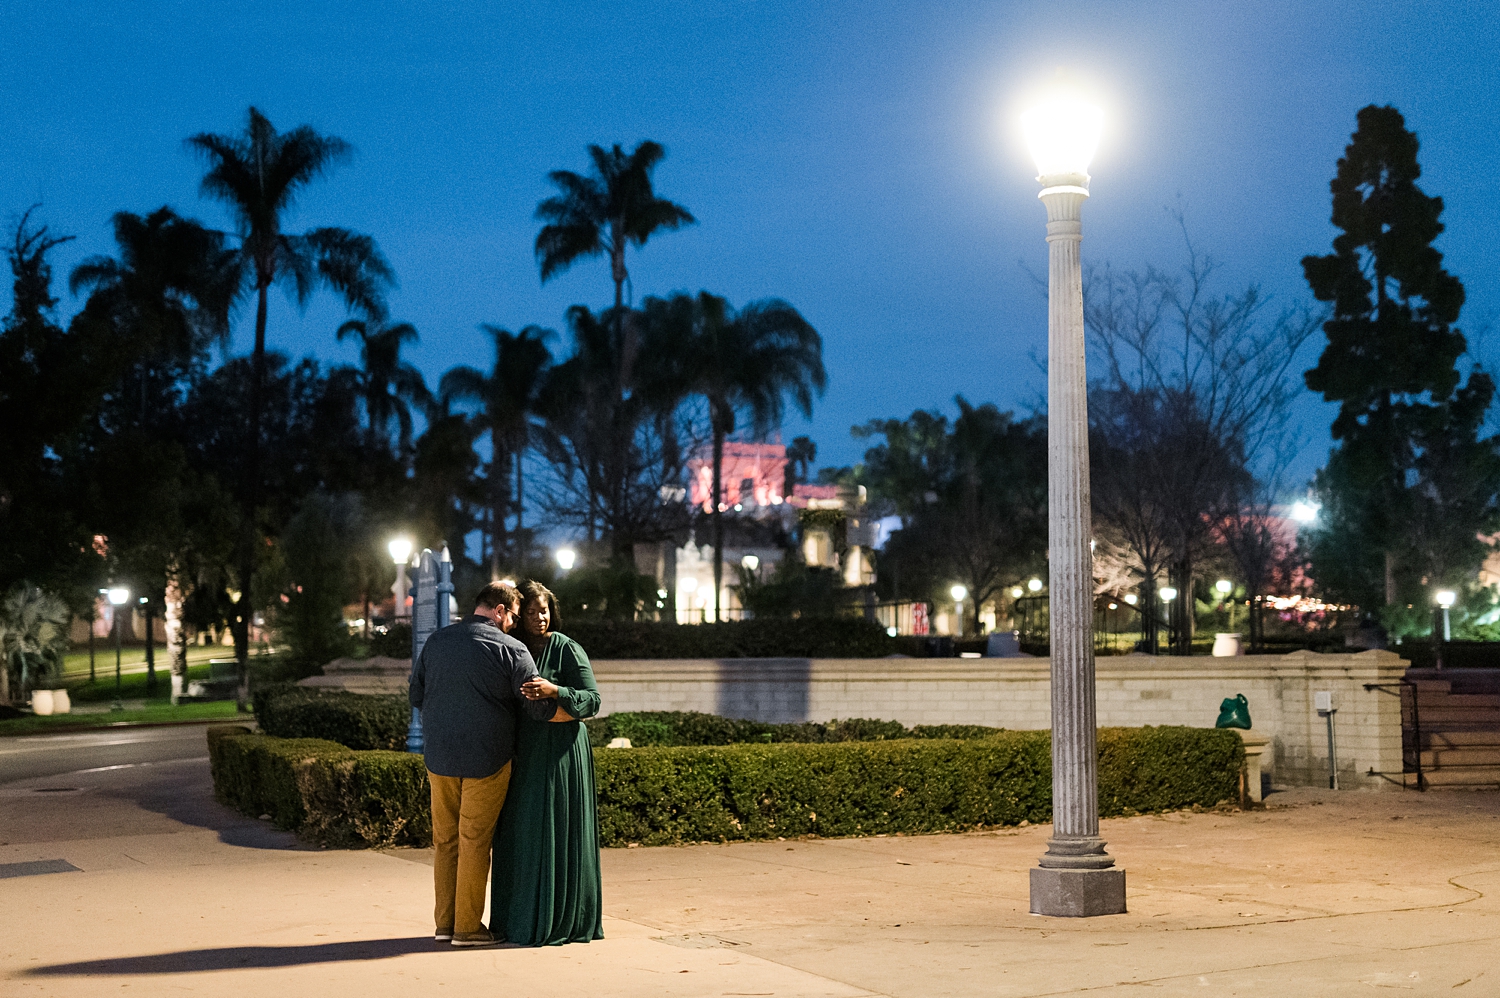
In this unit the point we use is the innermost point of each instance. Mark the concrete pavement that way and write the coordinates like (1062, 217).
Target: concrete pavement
(1322, 894)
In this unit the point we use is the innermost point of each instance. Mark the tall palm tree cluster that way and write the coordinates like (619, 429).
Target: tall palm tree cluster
(265, 487)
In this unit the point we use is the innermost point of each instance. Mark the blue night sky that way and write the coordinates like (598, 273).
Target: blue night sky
(858, 160)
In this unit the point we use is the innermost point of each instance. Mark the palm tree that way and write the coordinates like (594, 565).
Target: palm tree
(749, 361)
(162, 301)
(170, 290)
(257, 174)
(508, 397)
(388, 385)
(604, 212)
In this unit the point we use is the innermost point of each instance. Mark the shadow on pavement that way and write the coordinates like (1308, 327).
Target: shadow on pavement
(239, 957)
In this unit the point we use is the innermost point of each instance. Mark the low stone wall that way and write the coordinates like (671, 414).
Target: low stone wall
(1014, 693)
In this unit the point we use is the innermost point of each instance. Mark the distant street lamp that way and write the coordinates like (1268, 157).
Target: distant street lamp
(1304, 512)
(1076, 876)
(1035, 585)
(959, 593)
(751, 563)
(1168, 594)
(117, 599)
(1225, 587)
(400, 550)
(1131, 598)
(566, 559)
(1445, 599)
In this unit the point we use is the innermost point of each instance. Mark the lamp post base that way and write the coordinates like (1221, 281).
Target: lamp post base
(1077, 893)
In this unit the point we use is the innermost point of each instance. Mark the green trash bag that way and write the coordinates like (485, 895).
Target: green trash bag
(1234, 713)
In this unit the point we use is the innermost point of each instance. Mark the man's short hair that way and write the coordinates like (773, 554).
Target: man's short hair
(498, 594)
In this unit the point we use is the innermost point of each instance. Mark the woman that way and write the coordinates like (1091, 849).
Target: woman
(546, 879)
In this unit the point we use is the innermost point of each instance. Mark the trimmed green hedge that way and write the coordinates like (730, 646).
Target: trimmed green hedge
(328, 794)
(806, 637)
(354, 720)
(677, 728)
(653, 796)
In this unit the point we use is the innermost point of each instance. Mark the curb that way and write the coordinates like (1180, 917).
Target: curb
(68, 729)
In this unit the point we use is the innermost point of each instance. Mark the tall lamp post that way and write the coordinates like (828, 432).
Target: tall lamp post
(1445, 599)
(1075, 877)
(959, 594)
(118, 598)
(400, 551)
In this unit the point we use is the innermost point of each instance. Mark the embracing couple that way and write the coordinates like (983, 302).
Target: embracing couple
(502, 697)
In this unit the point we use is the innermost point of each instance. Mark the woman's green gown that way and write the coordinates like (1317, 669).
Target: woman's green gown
(546, 865)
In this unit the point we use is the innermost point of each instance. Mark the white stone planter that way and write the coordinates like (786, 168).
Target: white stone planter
(1227, 646)
(41, 702)
(60, 702)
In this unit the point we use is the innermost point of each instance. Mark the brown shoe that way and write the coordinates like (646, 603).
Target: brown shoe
(474, 940)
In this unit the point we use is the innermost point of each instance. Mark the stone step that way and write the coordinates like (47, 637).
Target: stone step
(1455, 715)
(1489, 701)
(1477, 776)
(376, 665)
(1459, 758)
(1455, 737)
(357, 683)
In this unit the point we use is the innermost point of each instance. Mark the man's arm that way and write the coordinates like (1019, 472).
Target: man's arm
(417, 684)
(523, 670)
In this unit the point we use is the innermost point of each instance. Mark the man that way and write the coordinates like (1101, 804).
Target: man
(467, 681)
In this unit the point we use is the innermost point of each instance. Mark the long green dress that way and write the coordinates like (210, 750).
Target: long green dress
(546, 864)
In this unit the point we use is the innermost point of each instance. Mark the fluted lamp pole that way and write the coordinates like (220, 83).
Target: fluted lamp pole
(1075, 877)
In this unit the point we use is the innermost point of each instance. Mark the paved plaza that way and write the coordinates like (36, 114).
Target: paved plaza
(1321, 894)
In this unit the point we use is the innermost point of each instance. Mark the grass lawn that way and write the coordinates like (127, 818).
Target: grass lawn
(153, 714)
(76, 662)
(133, 684)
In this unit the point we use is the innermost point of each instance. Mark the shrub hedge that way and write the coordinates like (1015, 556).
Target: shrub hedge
(328, 794)
(678, 728)
(338, 797)
(806, 637)
(353, 720)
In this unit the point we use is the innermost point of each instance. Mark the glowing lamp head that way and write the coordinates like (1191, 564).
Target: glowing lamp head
(1062, 132)
(1304, 512)
(1017, 592)
(959, 593)
(1446, 598)
(400, 550)
(1035, 585)
(751, 562)
(119, 597)
(1168, 594)
(688, 585)
(1131, 598)
(1224, 586)
(566, 559)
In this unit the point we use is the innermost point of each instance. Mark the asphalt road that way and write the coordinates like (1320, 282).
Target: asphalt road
(36, 756)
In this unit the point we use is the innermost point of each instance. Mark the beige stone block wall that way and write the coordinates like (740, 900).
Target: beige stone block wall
(1132, 690)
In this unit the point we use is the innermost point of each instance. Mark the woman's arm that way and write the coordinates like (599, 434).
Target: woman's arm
(578, 699)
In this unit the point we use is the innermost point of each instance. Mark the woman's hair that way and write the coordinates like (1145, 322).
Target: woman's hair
(534, 590)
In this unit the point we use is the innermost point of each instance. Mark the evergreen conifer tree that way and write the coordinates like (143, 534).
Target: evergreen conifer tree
(1409, 483)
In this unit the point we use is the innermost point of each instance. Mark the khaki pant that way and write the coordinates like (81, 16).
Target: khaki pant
(464, 813)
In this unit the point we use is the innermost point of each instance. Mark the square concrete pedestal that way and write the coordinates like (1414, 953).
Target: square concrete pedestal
(1077, 893)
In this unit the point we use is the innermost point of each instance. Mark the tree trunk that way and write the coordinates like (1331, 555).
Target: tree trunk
(1390, 577)
(520, 535)
(498, 489)
(176, 634)
(248, 533)
(1148, 612)
(150, 651)
(718, 515)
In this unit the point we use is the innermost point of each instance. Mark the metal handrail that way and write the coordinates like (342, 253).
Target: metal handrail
(1416, 722)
